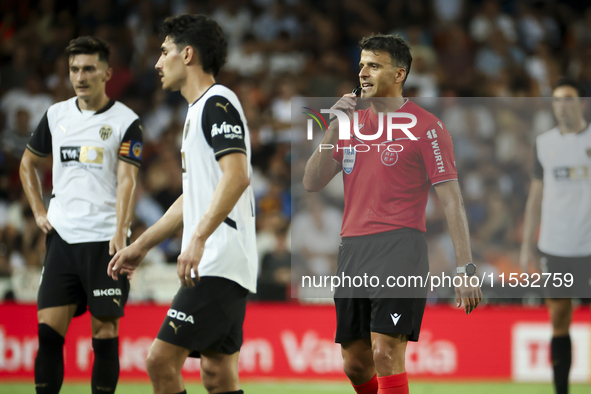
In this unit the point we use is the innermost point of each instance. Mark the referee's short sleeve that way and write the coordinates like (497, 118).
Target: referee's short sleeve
(132, 144)
(40, 142)
(537, 170)
(222, 126)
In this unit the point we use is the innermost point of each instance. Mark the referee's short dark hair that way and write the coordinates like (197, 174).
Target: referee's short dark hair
(573, 83)
(203, 34)
(87, 45)
(393, 44)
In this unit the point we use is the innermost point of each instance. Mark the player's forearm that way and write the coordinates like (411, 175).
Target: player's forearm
(225, 197)
(125, 202)
(32, 186)
(532, 219)
(319, 167)
(168, 225)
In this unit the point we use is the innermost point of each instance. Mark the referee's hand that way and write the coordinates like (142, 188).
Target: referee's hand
(346, 104)
(468, 295)
(126, 261)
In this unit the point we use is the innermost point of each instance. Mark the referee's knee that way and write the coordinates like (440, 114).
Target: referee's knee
(357, 371)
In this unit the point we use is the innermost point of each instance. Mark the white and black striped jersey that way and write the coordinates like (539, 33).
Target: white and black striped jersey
(563, 163)
(86, 148)
(216, 126)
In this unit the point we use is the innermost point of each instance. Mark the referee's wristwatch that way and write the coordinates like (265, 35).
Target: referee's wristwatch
(469, 269)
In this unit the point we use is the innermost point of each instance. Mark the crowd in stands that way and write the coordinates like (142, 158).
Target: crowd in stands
(279, 49)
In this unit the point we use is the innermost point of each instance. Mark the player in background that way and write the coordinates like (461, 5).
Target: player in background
(96, 146)
(218, 263)
(560, 201)
(385, 199)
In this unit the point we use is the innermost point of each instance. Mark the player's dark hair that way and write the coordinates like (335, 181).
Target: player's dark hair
(203, 34)
(87, 45)
(393, 44)
(573, 83)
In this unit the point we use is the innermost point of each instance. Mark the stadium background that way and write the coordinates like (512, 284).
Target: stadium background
(279, 50)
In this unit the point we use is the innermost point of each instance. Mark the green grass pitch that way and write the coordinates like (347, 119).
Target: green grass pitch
(287, 387)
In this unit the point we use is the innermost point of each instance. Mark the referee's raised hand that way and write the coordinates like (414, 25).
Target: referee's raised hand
(346, 104)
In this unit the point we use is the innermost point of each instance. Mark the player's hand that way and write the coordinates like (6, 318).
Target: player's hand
(43, 223)
(529, 254)
(188, 260)
(117, 243)
(468, 295)
(126, 261)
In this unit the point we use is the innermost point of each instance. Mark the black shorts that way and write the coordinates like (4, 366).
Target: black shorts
(557, 285)
(77, 274)
(382, 308)
(208, 316)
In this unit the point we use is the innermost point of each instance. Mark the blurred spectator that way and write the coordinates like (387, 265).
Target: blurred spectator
(316, 235)
(490, 21)
(14, 142)
(234, 18)
(32, 99)
(275, 276)
(275, 20)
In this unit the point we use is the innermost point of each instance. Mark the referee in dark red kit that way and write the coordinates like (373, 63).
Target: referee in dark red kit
(386, 192)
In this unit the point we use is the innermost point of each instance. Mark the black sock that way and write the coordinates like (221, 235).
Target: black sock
(105, 371)
(49, 363)
(233, 392)
(561, 360)
(183, 392)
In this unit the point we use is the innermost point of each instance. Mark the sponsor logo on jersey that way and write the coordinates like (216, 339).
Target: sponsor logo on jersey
(186, 129)
(224, 107)
(182, 316)
(228, 130)
(105, 132)
(82, 154)
(438, 158)
(432, 134)
(571, 173)
(106, 292)
(131, 149)
(349, 155)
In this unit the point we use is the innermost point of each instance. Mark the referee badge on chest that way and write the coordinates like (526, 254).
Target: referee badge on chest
(349, 155)
(105, 132)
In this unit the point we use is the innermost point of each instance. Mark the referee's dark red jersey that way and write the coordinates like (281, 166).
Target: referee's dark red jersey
(387, 187)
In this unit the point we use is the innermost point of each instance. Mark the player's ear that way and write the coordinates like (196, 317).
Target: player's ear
(108, 73)
(188, 54)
